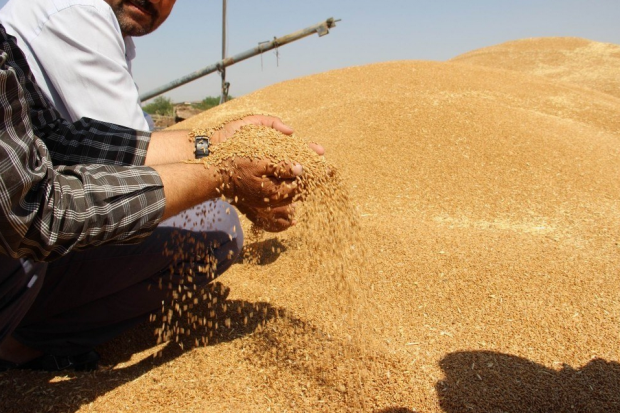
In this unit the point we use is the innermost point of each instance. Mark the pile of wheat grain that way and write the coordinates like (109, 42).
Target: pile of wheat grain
(489, 203)
(573, 60)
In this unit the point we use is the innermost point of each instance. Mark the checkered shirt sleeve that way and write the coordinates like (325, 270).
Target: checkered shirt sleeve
(48, 209)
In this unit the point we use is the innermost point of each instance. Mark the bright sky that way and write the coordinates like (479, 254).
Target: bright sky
(370, 31)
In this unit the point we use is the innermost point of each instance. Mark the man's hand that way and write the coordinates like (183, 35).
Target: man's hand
(259, 183)
(271, 219)
(261, 190)
(259, 120)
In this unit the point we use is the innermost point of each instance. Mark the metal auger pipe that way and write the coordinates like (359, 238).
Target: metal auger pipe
(321, 29)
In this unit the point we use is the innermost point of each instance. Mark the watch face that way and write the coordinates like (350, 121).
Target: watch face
(202, 147)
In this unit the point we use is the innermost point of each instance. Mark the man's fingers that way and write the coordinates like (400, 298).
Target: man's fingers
(317, 148)
(269, 121)
(283, 170)
(297, 169)
(279, 184)
(278, 125)
(275, 219)
(259, 120)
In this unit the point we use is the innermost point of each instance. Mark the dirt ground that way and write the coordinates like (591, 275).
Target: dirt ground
(488, 197)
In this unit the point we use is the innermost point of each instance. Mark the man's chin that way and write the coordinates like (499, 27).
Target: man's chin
(134, 29)
(134, 23)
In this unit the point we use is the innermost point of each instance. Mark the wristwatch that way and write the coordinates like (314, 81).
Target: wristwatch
(202, 146)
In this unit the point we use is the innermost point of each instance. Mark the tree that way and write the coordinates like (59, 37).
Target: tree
(209, 102)
(160, 106)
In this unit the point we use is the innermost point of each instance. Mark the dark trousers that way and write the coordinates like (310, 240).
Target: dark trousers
(20, 283)
(89, 297)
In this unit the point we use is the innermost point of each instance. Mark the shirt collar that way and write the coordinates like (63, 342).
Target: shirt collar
(130, 48)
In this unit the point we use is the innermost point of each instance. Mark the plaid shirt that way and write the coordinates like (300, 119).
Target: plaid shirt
(66, 186)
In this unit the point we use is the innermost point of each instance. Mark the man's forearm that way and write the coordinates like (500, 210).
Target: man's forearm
(168, 147)
(186, 185)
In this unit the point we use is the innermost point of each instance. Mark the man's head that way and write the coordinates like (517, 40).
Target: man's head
(140, 17)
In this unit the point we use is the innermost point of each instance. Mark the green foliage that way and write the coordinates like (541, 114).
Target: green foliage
(209, 102)
(160, 106)
(163, 105)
